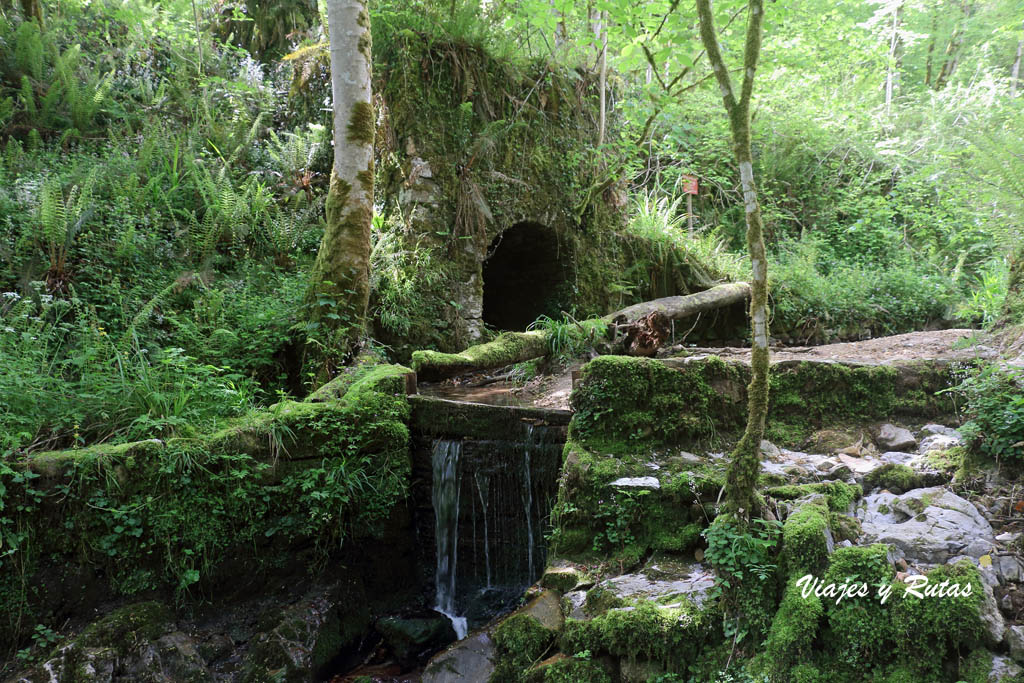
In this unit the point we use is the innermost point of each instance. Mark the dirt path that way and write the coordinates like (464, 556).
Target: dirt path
(934, 345)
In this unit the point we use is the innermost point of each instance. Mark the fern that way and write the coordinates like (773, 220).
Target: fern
(58, 222)
(29, 53)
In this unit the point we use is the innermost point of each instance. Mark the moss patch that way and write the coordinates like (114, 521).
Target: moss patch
(804, 540)
(792, 632)
(520, 641)
(838, 494)
(360, 125)
(592, 518)
(625, 403)
(670, 635)
(506, 349)
(895, 478)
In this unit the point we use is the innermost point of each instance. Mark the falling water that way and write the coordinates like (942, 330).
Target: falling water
(484, 489)
(445, 497)
(528, 501)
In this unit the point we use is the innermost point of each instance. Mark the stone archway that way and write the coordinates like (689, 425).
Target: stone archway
(522, 274)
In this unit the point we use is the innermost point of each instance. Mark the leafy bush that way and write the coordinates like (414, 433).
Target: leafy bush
(67, 382)
(743, 556)
(994, 408)
(569, 338)
(820, 297)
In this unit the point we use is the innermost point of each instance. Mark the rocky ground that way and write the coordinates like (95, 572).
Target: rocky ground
(911, 502)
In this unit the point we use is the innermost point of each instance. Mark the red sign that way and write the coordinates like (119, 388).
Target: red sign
(689, 184)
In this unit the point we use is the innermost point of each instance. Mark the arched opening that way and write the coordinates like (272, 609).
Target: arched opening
(523, 274)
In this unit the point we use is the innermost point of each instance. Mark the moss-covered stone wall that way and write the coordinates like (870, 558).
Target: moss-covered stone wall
(471, 145)
(275, 494)
(627, 404)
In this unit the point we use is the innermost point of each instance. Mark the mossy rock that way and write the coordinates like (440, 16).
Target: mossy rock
(832, 440)
(806, 540)
(838, 494)
(128, 625)
(223, 497)
(360, 378)
(672, 635)
(860, 634)
(561, 579)
(792, 632)
(896, 478)
(520, 641)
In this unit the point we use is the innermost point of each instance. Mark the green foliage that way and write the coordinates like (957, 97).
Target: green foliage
(743, 556)
(57, 349)
(166, 516)
(985, 303)
(821, 298)
(569, 338)
(408, 284)
(994, 407)
(618, 517)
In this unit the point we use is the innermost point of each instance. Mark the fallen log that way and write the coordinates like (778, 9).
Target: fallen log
(507, 348)
(516, 347)
(676, 307)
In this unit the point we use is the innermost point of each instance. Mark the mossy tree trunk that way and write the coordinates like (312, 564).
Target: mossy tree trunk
(746, 458)
(1013, 307)
(340, 289)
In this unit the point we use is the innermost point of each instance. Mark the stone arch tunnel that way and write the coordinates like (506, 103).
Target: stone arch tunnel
(523, 274)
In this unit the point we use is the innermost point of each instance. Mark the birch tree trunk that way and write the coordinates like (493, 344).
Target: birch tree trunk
(340, 282)
(1015, 71)
(892, 70)
(602, 37)
(745, 463)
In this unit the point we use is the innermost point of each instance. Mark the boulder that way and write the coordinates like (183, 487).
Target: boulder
(138, 642)
(893, 438)
(561, 579)
(1003, 669)
(468, 661)
(660, 580)
(992, 619)
(929, 525)
(939, 429)
(296, 642)
(1015, 641)
(412, 638)
(939, 442)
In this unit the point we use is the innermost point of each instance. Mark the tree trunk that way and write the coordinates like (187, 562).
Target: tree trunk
(931, 48)
(891, 72)
(1015, 71)
(602, 37)
(745, 463)
(33, 9)
(506, 349)
(676, 307)
(340, 289)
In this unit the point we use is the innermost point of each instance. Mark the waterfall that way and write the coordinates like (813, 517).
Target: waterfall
(484, 489)
(528, 502)
(445, 496)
